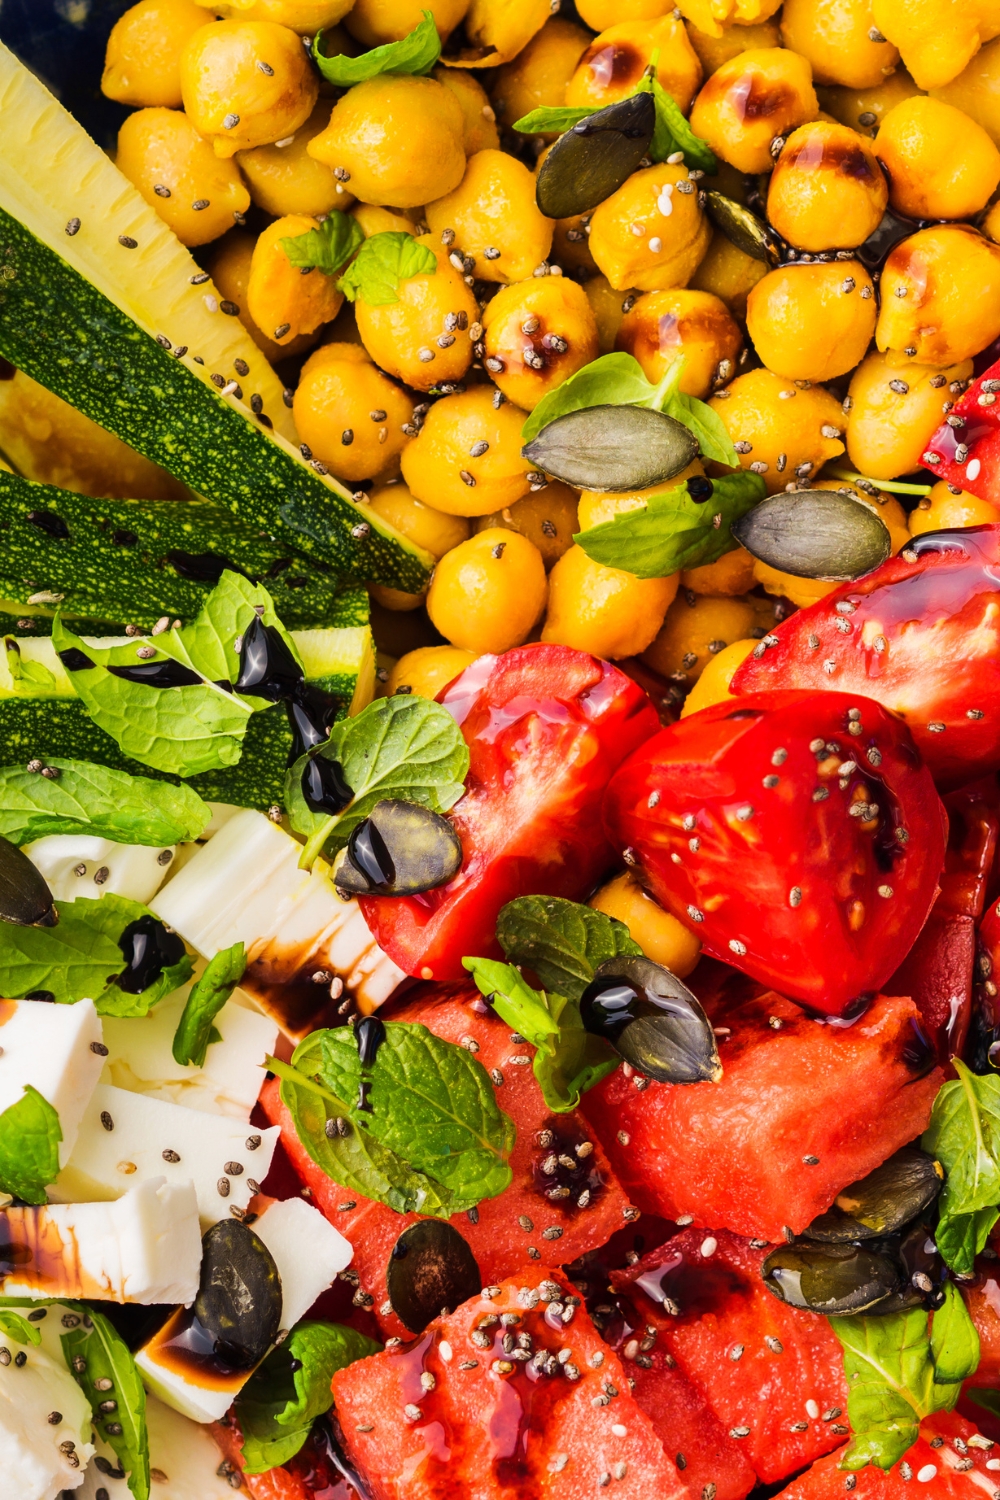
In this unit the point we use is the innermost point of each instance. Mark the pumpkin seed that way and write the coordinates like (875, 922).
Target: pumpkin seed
(743, 229)
(884, 1201)
(239, 1297)
(923, 1271)
(431, 1268)
(25, 898)
(652, 1020)
(612, 448)
(831, 1278)
(400, 849)
(590, 161)
(815, 534)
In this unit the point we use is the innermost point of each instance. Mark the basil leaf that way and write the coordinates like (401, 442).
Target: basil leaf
(208, 995)
(19, 1329)
(404, 747)
(327, 248)
(106, 1356)
(562, 941)
(673, 133)
(383, 261)
(964, 1135)
(673, 531)
(954, 1339)
(96, 800)
(29, 1146)
(415, 53)
(559, 117)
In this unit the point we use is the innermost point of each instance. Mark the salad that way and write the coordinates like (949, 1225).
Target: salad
(500, 775)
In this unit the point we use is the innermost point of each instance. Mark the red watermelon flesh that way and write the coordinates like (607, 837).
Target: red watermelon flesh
(939, 1473)
(689, 1430)
(982, 1298)
(503, 1232)
(445, 1418)
(312, 1474)
(738, 1154)
(773, 1376)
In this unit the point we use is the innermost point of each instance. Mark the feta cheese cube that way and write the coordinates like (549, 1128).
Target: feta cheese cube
(51, 1047)
(183, 1462)
(79, 864)
(33, 1462)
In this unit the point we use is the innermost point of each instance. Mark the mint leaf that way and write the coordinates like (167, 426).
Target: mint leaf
(382, 263)
(964, 1135)
(562, 941)
(208, 995)
(673, 531)
(105, 1357)
(415, 53)
(707, 426)
(96, 800)
(673, 133)
(19, 1329)
(327, 248)
(954, 1339)
(404, 747)
(561, 117)
(29, 1146)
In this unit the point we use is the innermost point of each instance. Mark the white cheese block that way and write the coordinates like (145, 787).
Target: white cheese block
(144, 1247)
(79, 864)
(140, 1057)
(51, 1047)
(32, 1463)
(183, 1462)
(123, 1140)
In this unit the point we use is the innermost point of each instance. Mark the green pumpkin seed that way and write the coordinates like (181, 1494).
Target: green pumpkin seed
(612, 448)
(591, 161)
(652, 1020)
(818, 533)
(400, 849)
(25, 898)
(743, 228)
(831, 1279)
(884, 1201)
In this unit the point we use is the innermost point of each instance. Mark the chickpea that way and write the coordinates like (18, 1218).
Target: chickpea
(976, 90)
(229, 264)
(695, 325)
(538, 333)
(714, 51)
(430, 529)
(600, 14)
(608, 306)
(305, 16)
(228, 97)
(696, 628)
(827, 191)
(812, 322)
(940, 296)
(864, 109)
(659, 934)
(595, 507)
(375, 22)
(142, 64)
(428, 669)
(497, 30)
(784, 433)
(178, 174)
(713, 685)
(732, 573)
(350, 415)
(488, 593)
(947, 508)
(936, 38)
(605, 611)
(941, 164)
(538, 76)
(650, 234)
(801, 591)
(760, 94)
(893, 413)
(466, 459)
(278, 291)
(728, 274)
(423, 338)
(991, 224)
(287, 180)
(494, 217)
(479, 121)
(571, 242)
(548, 519)
(616, 60)
(710, 16)
(375, 220)
(834, 38)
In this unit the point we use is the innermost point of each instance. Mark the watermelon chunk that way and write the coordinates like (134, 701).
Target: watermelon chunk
(503, 1232)
(445, 1418)
(316, 1472)
(739, 1154)
(982, 1298)
(942, 1465)
(709, 1460)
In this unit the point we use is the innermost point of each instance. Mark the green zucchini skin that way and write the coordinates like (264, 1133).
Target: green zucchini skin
(72, 339)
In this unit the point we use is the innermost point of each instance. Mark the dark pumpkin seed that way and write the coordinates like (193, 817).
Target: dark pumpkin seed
(923, 1272)
(592, 160)
(743, 229)
(25, 898)
(831, 1279)
(239, 1298)
(652, 1020)
(815, 534)
(884, 1201)
(612, 448)
(431, 1267)
(400, 849)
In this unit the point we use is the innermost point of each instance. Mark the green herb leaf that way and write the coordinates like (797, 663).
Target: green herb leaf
(29, 1146)
(208, 995)
(405, 747)
(415, 53)
(673, 133)
(954, 1339)
(327, 248)
(96, 800)
(673, 531)
(551, 118)
(382, 263)
(562, 941)
(964, 1135)
(106, 1357)
(19, 1329)
(278, 1404)
(706, 425)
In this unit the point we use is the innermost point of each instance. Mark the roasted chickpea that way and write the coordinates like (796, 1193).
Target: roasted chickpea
(538, 334)
(375, 220)
(827, 191)
(991, 224)
(651, 233)
(864, 109)
(424, 338)
(814, 321)
(600, 14)
(661, 936)
(941, 164)
(936, 38)
(605, 611)
(548, 519)
(801, 591)
(696, 628)
(694, 325)
(375, 22)
(571, 243)
(350, 415)
(142, 64)
(305, 16)
(466, 459)
(430, 529)
(538, 76)
(947, 508)
(713, 684)
(892, 413)
(834, 36)
(285, 179)
(608, 306)
(976, 90)
(728, 274)
(497, 30)
(732, 573)
(399, 138)
(616, 60)
(427, 670)
(178, 174)
(230, 99)
(597, 506)
(278, 291)
(710, 16)
(780, 431)
(229, 263)
(746, 103)
(714, 51)
(489, 592)
(479, 121)
(494, 217)
(940, 296)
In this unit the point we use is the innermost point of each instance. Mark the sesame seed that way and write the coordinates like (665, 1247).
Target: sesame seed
(739, 1432)
(737, 947)
(795, 896)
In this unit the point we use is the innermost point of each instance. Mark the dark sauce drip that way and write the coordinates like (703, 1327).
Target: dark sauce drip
(311, 712)
(885, 237)
(364, 1089)
(185, 1346)
(147, 948)
(918, 1052)
(700, 488)
(322, 1468)
(610, 1005)
(47, 521)
(367, 851)
(203, 567)
(46, 996)
(75, 660)
(369, 1034)
(324, 786)
(267, 667)
(158, 674)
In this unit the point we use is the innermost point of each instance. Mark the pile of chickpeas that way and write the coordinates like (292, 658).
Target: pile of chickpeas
(825, 116)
